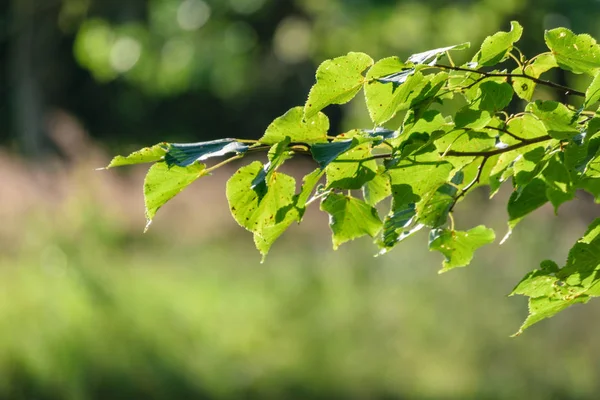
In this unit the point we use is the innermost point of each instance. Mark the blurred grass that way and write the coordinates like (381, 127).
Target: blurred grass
(90, 308)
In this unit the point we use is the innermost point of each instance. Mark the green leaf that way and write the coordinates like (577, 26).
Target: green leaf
(399, 224)
(576, 53)
(522, 162)
(325, 153)
(584, 259)
(545, 307)
(433, 209)
(277, 155)
(560, 122)
(592, 93)
(539, 282)
(350, 218)
(338, 81)
(522, 202)
(458, 246)
(408, 175)
(552, 289)
(185, 154)
(348, 172)
(309, 183)
(390, 88)
(528, 164)
(162, 183)
(524, 88)
(527, 126)
(492, 96)
(266, 212)
(378, 188)
(145, 155)
(408, 188)
(292, 124)
(495, 48)
(430, 57)
(472, 119)
(428, 122)
(559, 189)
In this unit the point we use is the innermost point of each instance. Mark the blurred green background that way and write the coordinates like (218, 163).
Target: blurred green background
(91, 308)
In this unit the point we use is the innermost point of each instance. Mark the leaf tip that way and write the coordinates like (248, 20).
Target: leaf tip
(505, 238)
(148, 223)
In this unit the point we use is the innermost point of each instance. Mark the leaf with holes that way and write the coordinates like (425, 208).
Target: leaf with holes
(267, 212)
(576, 53)
(458, 246)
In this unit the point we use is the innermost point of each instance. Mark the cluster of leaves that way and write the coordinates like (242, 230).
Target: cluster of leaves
(425, 161)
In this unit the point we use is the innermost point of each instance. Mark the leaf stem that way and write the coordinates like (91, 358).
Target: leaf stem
(224, 162)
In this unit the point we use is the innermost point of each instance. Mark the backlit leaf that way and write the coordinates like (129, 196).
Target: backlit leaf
(391, 86)
(338, 81)
(524, 87)
(378, 188)
(496, 47)
(266, 212)
(350, 218)
(292, 124)
(592, 93)
(576, 53)
(458, 246)
(145, 155)
(560, 122)
(347, 171)
(162, 183)
(524, 201)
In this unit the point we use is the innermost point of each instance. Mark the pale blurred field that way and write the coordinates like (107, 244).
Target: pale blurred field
(90, 307)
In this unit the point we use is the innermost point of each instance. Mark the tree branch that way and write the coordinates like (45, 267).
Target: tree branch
(565, 89)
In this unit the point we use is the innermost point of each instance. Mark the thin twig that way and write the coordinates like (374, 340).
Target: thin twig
(509, 133)
(565, 89)
(474, 182)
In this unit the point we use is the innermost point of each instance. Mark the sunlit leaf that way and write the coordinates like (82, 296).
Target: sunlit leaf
(163, 182)
(592, 93)
(378, 188)
(492, 96)
(266, 212)
(458, 246)
(292, 124)
(145, 155)
(350, 218)
(524, 87)
(348, 171)
(576, 53)
(524, 201)
(560, 122)
(545, 307)
(391, 85)
(338, 81)
(496, 47)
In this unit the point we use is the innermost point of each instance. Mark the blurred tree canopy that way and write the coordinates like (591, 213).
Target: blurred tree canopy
(141, 71)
